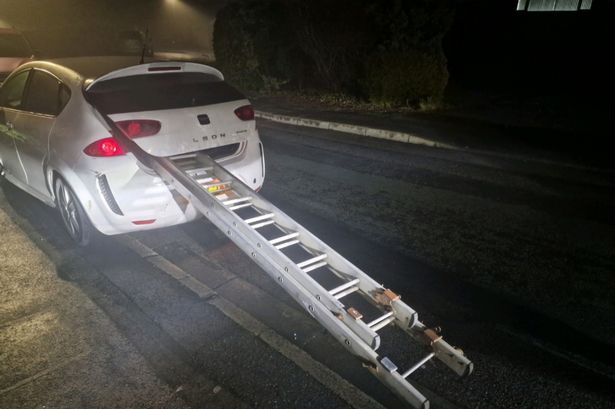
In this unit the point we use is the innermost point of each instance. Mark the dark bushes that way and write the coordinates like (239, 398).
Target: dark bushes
(406, 78)
(388, 51)
(246, 35)
(408, 65)
(334, 36)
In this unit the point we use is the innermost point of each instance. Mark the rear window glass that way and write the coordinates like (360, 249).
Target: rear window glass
(160, 91)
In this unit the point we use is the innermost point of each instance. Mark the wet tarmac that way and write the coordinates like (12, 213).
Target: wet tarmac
(512, 258)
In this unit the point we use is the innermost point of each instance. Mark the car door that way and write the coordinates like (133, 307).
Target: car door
(11, 100)
(44, 99)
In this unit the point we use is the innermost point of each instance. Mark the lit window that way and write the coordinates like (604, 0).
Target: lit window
(553, 5)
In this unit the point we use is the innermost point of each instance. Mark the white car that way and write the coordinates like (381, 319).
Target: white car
(55, 145)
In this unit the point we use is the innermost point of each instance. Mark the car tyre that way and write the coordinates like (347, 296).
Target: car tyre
(75, 220)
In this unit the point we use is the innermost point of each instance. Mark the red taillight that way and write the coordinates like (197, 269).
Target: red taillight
(104, 147)
(138, 128)
(245, 113)
(142, 222)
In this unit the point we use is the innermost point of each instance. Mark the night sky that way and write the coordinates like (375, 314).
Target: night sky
(64, 27)
(493, 45)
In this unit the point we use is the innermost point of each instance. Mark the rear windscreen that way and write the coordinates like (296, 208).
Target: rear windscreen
(153, 92)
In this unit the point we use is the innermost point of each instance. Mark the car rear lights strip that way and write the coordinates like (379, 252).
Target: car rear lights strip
(106, 147)
(138, 128)
(141, 222)
(245, 113)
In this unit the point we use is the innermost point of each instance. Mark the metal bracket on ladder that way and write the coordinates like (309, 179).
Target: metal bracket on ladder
(267, 235)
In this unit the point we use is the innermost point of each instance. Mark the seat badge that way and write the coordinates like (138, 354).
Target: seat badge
(203, 119)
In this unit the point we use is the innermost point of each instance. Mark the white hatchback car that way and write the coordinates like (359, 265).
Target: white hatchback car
(55, 145)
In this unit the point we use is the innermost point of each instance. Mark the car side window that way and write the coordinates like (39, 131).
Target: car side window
(43, 93)
(12, 92)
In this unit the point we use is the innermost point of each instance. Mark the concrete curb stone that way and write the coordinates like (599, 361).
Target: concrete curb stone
(353, 129)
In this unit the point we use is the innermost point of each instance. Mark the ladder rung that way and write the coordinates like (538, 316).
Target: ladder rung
(220, 195)
(418, 364)
(236, 201)
(204, 180)
(259, 218)
(311, 261)
(240, 206)
(193, 172)
(382, 323)
(346, 292)
(344, 286)
(283, 238)
(380, 319)
(314, 266)
(259, 225)
(184, 160)
(286, 244)
(216, 182)
(218, 187)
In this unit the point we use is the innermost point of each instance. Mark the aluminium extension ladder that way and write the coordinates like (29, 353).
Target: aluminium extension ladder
(304, 266)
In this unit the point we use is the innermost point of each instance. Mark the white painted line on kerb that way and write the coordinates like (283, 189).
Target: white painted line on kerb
(325, 376)
(353, 129)
(410, 138)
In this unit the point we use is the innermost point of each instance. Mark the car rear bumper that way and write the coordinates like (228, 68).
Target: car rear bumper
(129, 198)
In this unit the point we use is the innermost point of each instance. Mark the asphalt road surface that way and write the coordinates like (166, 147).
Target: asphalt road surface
(512, 257)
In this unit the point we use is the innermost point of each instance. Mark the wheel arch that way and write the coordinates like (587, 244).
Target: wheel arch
(81, 192)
